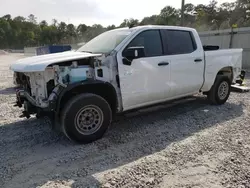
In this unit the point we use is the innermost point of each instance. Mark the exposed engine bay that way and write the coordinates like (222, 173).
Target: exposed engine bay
(39, 90)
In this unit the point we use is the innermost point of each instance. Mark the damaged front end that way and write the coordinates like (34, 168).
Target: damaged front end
(31, 106)
(39, 91)
(41, 104)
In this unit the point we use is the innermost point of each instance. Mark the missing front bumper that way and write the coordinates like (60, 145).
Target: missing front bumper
(30, 105)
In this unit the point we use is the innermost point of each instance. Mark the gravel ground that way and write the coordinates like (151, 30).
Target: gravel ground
(187, 144)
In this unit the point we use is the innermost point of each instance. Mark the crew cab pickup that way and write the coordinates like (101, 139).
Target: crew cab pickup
(121, 70)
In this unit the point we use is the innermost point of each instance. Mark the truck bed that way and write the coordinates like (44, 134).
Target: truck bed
(217, 59)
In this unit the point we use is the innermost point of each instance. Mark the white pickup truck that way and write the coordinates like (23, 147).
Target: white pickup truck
(121, 70)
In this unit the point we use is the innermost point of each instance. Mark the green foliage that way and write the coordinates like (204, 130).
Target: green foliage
(19, 31)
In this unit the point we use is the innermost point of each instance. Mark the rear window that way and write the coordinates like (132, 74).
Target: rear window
(179, 42)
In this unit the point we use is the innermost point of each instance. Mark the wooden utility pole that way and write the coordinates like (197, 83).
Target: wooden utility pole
(182, 12)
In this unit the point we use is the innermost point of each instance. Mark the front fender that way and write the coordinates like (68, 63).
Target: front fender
(72, 86)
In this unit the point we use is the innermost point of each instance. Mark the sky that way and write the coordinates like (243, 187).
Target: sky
(89, 12)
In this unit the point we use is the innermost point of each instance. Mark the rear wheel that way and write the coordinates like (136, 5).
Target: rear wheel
(86, 118)
(220, 91)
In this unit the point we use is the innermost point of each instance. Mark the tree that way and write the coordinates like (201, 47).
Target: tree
(43, 24)
(54, 22)
(62, 32)
(18, 32)
(189, 9)
(189, 15)
(152, 20)
(7, 17)
(129, 22)
(110, 27)
(93, 31)
(32, 19)
(168, 16)
(71, 32)
(81, 29)
(19, 19)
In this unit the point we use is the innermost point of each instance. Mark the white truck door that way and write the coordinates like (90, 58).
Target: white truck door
(146, 80)
(187, 62)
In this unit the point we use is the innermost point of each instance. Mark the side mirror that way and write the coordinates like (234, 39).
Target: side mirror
(133, 53)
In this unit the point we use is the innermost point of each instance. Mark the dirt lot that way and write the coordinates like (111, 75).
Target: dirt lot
(191, 144)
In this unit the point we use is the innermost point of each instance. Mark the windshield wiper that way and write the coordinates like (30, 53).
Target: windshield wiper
(87, 52)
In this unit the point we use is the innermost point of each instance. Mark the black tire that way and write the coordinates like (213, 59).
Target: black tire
(213, 95)
(77, 110)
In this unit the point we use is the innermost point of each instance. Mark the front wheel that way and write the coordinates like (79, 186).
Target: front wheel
(86, 118)
(220, 91)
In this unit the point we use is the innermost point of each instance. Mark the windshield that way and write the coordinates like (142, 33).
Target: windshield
(105, 42)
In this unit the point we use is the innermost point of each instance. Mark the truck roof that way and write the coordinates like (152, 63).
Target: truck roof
(156, 27)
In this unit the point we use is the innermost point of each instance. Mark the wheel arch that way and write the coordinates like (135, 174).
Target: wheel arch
(210, 77)
(103, 89)
(226, 71)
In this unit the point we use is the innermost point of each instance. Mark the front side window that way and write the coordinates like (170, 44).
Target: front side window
(151, 41)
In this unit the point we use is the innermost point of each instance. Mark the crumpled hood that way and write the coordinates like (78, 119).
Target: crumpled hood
(39, 63)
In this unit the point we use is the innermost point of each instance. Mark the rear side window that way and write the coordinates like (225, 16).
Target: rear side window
(179, 42)
(151, 41)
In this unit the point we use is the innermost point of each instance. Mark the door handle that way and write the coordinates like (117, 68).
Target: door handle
(197, 60)
(163, 64)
